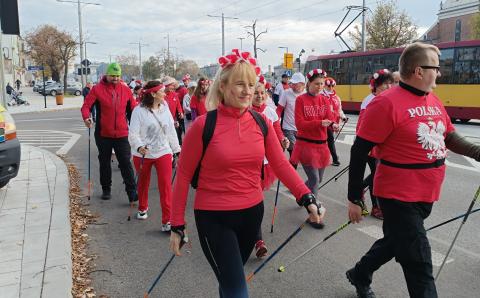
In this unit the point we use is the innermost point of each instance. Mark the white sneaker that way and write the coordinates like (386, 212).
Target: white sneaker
(166, 227)
(142, 215)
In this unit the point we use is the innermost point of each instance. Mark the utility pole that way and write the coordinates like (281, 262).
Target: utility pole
(86, 59)
(241, 42)
(140, 45)
(364, 42)
(223, 28)
(79, 8)
(255, 37)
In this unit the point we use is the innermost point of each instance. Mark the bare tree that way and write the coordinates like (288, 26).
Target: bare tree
(388, 27)
(129, 65)
(255, 37)
(43, 48)
(66, 48)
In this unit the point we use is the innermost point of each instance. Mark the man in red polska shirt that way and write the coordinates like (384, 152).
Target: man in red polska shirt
(412, 132)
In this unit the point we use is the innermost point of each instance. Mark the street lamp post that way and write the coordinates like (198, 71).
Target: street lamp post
(79, 7)
(223, 17)
(86, 59)
(286, 48)
(241, 42)
(300, 55)
(140, 45)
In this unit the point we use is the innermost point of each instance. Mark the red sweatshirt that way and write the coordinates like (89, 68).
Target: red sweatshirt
(198, 105)
(173, 104)
(230, 174)
(309, 113)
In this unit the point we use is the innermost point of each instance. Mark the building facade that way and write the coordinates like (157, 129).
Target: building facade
(454, 21)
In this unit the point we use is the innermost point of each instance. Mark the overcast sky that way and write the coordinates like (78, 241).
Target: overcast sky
(193, 35)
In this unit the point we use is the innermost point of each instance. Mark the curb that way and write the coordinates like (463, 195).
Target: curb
(58, 264)
(43, 110)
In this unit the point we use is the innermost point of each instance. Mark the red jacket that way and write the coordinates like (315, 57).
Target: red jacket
(181, 93)
(114, 103)
(230, 174)
(198, 105)
(173, 104)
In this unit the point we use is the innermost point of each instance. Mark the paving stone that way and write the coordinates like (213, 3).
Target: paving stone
(11, 291)
(9, 266)
(9, 278)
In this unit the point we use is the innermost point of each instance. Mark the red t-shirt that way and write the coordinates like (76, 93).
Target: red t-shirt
(181, 92)
(408, 129)
(230, 174)
(173, 103)
(198, 105)
(309, 113)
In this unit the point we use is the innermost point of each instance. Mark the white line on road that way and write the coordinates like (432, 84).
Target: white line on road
(46, 119)
(49, 139)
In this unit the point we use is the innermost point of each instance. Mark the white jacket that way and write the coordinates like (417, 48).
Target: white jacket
(154, 129)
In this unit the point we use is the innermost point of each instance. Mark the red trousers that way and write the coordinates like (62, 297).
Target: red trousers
(163, 165)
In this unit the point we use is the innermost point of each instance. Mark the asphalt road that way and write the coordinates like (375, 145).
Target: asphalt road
(130, 254)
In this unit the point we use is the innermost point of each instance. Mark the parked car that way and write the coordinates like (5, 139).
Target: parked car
(39, 85)
(54, 89)
(9, 148)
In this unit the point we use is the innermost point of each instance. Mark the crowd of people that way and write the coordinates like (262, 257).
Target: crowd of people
(226, 138)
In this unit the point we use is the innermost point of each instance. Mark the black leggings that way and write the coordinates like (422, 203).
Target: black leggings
(372, 163)
(331, 144)
(227, 239)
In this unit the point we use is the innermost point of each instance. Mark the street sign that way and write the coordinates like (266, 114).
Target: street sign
(86, 63)
(288, 60)
(289, 73)
(33, 68)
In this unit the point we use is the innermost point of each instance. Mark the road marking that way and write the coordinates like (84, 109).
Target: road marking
(49, 139)
(46, 119)
(377, 233)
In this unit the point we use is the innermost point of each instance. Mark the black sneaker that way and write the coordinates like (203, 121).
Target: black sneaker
(336, 163)
(363, 291)
(106, 194)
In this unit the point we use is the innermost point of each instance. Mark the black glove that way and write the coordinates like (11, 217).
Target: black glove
(180, 230)
(308, 199)
(174, 160)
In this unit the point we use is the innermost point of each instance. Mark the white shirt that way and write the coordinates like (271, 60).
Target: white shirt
(366, 101)
(154, 129)
(132, 84)
(271, 104)
(186, 103)
(271, 115)
(279, 89)
(287, 100)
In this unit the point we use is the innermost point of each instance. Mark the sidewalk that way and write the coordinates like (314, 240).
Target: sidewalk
(35, 244)
(37, 103)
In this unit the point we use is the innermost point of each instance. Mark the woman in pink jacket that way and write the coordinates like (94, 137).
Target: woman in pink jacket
(229, 199)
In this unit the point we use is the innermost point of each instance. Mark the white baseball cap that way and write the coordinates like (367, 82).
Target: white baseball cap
(297, 78)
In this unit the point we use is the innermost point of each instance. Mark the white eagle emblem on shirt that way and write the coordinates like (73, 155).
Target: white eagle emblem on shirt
(431, 136)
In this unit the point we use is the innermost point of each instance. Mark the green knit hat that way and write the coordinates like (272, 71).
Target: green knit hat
(114, 69)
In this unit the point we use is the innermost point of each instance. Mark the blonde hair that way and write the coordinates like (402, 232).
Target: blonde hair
(225, 76)
(413, 56)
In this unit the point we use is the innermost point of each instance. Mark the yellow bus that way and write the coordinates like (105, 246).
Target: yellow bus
(458, 87)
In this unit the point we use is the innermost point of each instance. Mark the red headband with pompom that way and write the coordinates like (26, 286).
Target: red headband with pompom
(376, 75)
(237, 56)
(318, 71)
(330, 82)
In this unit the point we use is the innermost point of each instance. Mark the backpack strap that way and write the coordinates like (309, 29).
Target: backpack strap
(264, 128)
(208, 130)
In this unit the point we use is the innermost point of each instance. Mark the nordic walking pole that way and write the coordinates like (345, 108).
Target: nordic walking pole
(250, 276)
(185, 240)
(275, 206)
(89, 182)
(475, 197)
(136, 185)
(338, 134)
(450, 220)
(335, 176)
(338, 176)
(343, 226)
(159, 276)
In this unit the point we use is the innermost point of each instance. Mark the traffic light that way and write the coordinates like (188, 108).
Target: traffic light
(288, 60)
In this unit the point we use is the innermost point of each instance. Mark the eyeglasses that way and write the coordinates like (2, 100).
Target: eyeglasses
(437, 68)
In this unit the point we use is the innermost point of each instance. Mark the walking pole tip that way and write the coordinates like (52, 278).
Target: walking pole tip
(281, 269)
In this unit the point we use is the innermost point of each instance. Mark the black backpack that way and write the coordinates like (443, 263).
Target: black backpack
(207, 135)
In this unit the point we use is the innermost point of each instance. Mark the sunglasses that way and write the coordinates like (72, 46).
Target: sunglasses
(437, 68)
